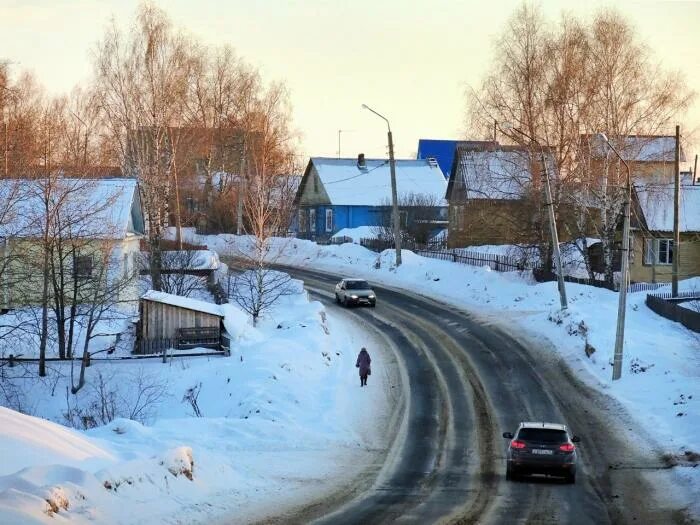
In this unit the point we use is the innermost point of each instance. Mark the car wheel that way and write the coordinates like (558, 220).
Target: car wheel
(571, 478)
(337, 299)
(510, 476)
(373, 304)
(345, 302)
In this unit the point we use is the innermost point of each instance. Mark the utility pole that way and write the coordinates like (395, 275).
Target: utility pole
(396, 226)
(624, 270)
(676, 213)
(241, 189)
(552, 217)
(394, 202)
(553, 232)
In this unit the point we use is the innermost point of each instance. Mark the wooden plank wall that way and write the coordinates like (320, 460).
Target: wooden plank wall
(161, 321)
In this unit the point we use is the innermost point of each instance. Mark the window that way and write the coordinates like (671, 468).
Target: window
(403, 219)
(658, 251)
(82, 267)
(312, 219)
(303, 226)
(329, 220)
(543, 435)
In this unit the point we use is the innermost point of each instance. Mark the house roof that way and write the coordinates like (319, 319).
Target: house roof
(348, 185)
(100, 208)
(639, 148)
(496, 172)
(656, 204)
(443, 150)
(183, 302)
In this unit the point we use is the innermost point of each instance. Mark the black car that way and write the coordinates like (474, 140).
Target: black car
(541, 448)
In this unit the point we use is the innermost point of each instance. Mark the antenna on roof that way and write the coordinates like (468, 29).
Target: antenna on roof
(339, 132)
(432, 162)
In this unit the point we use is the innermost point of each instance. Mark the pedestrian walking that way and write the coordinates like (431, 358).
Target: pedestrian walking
(363, 362)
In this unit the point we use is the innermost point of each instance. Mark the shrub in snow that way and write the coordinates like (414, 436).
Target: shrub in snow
(56, 499)
(637, 367)
(589, 349)
(179, 461)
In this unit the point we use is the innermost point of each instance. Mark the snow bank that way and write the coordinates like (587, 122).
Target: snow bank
(361, 232)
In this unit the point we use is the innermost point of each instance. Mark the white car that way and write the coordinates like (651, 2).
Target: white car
(354, 292)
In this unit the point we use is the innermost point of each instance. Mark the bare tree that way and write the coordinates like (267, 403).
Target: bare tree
(271, 153)
(560, 87)
(180, 268)
(419, 212)
(141, 86)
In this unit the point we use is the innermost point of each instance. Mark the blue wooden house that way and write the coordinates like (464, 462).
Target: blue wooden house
(348, 193)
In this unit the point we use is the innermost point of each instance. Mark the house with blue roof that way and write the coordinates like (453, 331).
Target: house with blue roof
(335, 194)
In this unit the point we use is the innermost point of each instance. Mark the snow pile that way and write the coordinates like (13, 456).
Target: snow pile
(361, 232)
(225, 435)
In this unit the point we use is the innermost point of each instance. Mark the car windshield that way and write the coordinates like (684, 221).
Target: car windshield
(357, 285)
(543, 435)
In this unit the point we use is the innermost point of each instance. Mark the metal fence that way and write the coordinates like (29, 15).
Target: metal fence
(671, 309)
(645, 287)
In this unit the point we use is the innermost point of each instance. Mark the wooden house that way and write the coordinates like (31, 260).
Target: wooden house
(171, 321)
(89, 222)
(653, 250)
(494, 192)
(348, 193)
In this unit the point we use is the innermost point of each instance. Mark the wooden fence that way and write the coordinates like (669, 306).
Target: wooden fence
(671, 309)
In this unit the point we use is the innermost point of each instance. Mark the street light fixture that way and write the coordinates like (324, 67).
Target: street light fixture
(396, 227)
(552, 217)
(624, 270)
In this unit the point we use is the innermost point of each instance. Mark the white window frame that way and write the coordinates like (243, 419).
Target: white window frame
(312, 220)
(658, 252)
(329, 220)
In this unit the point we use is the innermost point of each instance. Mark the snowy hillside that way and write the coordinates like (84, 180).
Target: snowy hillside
(281, 419)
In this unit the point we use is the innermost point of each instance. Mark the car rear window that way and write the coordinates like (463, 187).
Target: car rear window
(357, 285)
(543, 435)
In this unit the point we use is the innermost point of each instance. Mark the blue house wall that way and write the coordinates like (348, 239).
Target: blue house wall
(443, 151)
(343, 217)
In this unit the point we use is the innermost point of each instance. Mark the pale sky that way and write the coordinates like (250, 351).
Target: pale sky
(411, 60)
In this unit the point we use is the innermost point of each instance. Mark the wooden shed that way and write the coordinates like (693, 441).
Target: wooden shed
(172, 321)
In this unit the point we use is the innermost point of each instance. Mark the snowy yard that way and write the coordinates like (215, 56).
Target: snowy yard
(283, 420)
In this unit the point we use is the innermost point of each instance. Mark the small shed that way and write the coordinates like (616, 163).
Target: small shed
(172, 321)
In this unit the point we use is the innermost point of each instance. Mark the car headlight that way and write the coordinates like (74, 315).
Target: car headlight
(353, 296)
(371, 296)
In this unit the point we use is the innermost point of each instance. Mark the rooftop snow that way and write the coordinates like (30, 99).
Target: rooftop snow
(348, 185)
(87, 207)
(641, 148)
(656, 201)
(183, 302)
(500, 174)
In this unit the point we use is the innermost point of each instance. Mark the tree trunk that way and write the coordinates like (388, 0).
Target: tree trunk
(156, 265)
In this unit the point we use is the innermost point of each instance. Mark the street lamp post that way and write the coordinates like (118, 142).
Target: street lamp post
(624, 270)
(396, 227)
(552, 218)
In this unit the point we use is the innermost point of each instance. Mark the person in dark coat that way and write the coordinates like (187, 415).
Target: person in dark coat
(363, 362)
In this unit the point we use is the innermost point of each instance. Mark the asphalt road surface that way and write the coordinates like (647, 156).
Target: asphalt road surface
(467, 382)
